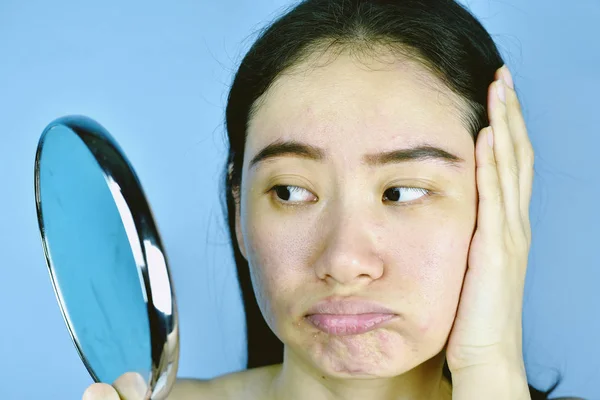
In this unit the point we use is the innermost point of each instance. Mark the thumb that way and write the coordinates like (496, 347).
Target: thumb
(100, 391)
(131, 386)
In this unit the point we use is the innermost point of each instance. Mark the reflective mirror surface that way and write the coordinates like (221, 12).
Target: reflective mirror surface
(107, 265)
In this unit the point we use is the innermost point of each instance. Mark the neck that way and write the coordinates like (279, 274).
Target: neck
(296, 379)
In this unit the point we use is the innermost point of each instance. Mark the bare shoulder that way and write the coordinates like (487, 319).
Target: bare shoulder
(192, 389)
(245, 384)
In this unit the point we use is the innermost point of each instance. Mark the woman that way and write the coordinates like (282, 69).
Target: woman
(377, 193)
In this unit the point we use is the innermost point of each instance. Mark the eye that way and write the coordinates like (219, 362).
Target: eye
(292, 194)
(411, 193)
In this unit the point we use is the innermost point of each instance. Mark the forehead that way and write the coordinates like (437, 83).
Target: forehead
(357, 106)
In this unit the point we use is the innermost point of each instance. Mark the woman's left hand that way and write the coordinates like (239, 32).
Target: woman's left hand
(487, 328)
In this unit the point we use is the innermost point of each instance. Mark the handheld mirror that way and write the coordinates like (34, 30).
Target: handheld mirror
(105, 257)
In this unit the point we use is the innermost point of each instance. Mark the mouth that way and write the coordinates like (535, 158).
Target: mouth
(348, 324)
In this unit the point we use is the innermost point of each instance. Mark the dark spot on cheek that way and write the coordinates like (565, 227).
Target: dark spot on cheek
(324, 377)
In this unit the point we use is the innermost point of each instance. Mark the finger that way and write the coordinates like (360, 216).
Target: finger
(100, 391)
(490, 213)
(131, 386)
(523, 150)
(508, 169)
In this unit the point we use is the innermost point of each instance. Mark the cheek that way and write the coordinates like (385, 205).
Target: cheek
(431, 263)
(277, 248)
(278, 252)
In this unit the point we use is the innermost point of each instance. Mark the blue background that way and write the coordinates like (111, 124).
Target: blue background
(156, 74)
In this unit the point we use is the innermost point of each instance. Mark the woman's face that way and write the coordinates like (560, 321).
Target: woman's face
(335, 214)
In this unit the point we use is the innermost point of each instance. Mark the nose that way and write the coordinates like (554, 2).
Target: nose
(349, 253)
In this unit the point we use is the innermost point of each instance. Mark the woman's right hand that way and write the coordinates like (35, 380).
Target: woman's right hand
(129, 386)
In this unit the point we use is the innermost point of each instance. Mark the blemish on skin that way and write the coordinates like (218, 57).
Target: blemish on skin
(360, 354)
(425, 326)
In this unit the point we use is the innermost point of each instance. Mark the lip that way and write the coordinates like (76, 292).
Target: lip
(345, 325)
(348, 316)
(348, 306)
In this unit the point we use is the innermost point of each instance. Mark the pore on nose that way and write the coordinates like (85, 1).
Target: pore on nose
(349, 253)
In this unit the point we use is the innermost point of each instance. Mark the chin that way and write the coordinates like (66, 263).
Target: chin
(377, 354)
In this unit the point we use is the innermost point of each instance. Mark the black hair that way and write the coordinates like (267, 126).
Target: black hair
(441, 35)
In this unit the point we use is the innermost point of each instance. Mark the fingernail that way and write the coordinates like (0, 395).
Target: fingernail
(490, 136)
(506, 75)
(500, 90)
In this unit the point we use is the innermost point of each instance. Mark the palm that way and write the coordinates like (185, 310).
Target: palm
(488, 318)
(489, 310)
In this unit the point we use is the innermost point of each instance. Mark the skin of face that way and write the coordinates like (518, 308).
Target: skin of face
(341, 233)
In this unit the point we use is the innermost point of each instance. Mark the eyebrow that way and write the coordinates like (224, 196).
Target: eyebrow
(421, 152)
